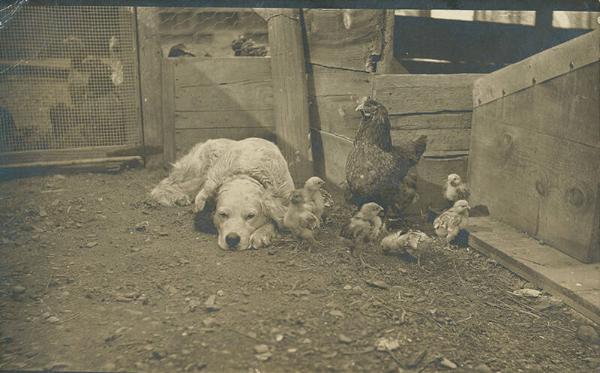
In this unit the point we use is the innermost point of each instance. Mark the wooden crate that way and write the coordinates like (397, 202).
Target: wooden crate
(535, 146)
(207, 98)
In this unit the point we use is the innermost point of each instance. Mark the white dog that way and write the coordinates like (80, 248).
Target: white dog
(249, 180)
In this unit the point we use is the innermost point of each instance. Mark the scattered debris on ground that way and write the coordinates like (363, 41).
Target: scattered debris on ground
(95, 276)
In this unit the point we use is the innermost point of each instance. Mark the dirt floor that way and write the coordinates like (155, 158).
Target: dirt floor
(95, 277)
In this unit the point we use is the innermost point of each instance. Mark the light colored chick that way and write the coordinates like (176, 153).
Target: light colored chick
(299, 220)
(412, 243)
(313, 196)
(365, 226)
(451, 221)
(455, 189)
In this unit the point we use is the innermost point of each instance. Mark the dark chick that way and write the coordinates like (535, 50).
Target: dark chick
(364, 227)
(375, 169)
(243, 46)
(301, 222)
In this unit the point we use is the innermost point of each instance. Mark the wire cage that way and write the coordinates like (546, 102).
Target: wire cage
(212, 32)
(68, 77)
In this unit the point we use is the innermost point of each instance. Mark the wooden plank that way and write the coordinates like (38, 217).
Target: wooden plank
(325, 81)
(536, 182)
(566, 107)
(224, 119)
(539, 68)
(404, 94)
(186, 138)
(221, 71)
(168, 110)
(576, 283)
(290, 92)
(102, 165)
(344, 38)
(250, 95)
(150, 66)
(446, 132)
(439, 141)
(335, 114)
(332, 162)
(69, 154)
(455, 120)
(71, 162)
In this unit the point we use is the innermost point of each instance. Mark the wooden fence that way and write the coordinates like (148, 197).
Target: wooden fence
(438, 106)
(216, 97)
(536, 146)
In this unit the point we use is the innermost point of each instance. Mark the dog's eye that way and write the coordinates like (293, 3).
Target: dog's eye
(223, 215)
(250, 216)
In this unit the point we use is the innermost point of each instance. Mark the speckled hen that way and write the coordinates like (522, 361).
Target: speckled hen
(375, 169)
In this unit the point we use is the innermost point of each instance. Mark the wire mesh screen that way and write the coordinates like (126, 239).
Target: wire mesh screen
(68, 78)
(212, 32)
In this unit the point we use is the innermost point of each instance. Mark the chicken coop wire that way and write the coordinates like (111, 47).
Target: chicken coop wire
(212, 32)
(68, 77)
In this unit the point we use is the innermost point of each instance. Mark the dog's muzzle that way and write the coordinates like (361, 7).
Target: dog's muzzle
(233, 241)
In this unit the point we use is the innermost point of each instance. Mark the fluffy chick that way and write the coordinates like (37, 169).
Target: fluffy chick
(455, 189)
(299, 220)
(412, 243)
(313, 196)
(365, 226)
(451, 221)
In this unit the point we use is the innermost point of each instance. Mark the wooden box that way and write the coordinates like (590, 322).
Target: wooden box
(535, 146)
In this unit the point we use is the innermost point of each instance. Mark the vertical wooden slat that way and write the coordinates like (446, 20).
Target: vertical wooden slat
(168, 109)
(150, 58)
(290, 91)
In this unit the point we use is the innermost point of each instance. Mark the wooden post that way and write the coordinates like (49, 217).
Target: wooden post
(389, 64)
(387, 54)
(290, 90)
(150, 67)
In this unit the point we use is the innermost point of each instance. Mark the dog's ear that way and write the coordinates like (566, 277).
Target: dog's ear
(274, 208)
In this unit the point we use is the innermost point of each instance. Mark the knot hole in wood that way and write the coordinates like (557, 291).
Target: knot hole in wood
(575, 197)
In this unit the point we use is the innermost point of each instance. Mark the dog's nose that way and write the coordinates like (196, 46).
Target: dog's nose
(232, 239)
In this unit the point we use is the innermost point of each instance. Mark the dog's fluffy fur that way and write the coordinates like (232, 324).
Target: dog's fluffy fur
(249, 180)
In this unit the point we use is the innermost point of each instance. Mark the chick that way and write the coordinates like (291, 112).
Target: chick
(451, 221)
(364, 227)
(314, 200)
(299, 220)
(412, 243)
(455, 189)
(408, 192)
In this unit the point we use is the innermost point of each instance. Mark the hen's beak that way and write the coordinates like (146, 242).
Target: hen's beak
(360, 107)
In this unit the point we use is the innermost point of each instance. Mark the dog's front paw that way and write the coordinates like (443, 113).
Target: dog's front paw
(262, 237)
(199, 203)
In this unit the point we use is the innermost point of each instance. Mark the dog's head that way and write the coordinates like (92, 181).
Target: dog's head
(242, 206)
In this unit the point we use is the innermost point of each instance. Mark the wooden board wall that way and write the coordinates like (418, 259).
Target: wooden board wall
(220, 97)
(347, 38)
(535, 146)
(438, 106)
